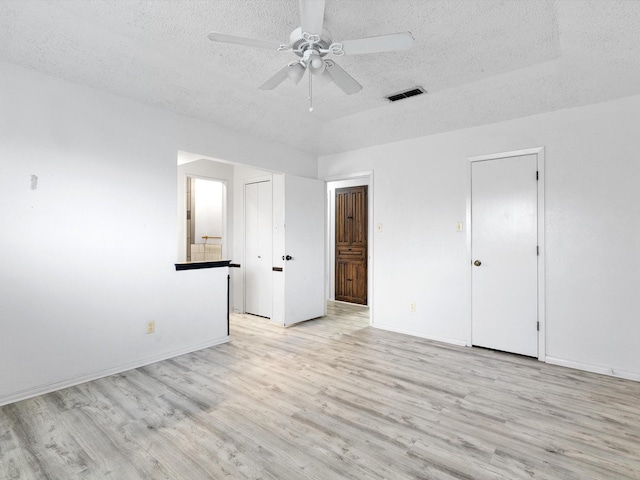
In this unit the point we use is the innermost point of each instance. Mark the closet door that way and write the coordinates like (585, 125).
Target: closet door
(504, 245)
(258, 286)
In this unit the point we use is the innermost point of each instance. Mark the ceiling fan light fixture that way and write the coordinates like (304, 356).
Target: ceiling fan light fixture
(317, 65)
(296, 72)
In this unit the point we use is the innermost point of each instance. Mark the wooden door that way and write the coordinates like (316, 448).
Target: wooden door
(504, 244)
(351, 245)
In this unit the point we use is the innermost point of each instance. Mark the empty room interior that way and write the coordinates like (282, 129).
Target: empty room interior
(309, 239)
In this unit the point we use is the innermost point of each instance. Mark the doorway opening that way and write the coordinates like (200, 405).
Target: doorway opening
(206, 213)
(334, 184)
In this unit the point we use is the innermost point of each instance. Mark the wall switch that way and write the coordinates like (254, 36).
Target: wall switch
(151, 326)
(412, 307)
(379, 228)
(459, 227)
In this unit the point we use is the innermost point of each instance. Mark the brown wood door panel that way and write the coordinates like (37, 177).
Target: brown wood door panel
(356, 254)
(345, 287)
(343, 232)
(351, 245)
(360, 283)
(351, 282)
(359, 213)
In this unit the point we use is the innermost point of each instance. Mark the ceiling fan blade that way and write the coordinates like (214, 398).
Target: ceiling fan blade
(382, 43)
(325, 78)
(278, 78)
(341, 78)
(251, 42)
(312, 16)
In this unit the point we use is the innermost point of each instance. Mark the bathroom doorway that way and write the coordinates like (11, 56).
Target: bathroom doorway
(206, 212)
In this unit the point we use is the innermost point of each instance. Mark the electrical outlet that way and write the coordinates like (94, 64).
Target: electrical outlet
(412, 307)
(459, 227)
(151, 326)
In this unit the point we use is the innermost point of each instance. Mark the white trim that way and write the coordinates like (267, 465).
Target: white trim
(468, 259)
(587, 367)
(87, 377)
(348, 176)
(542, 298)
(515, 153)
(539, 152)
(368, 174)
(260, 179)
(413, 333)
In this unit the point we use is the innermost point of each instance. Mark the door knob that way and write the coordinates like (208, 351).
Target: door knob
(287, 257)
(477, 263)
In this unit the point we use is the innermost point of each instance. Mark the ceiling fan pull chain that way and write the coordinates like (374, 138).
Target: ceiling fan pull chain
(310, 93)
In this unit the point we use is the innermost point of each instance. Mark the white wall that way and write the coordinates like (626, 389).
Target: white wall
(88, 257)
(591, 221)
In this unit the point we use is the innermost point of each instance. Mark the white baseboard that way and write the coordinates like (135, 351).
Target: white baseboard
(612, 372)
(460, 343)
(87, 377)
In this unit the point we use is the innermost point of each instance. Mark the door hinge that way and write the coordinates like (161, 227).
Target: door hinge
(538, 250)
(537, 175)
(538, 326)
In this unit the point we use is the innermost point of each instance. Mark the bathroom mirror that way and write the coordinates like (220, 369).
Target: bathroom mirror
(206, 212)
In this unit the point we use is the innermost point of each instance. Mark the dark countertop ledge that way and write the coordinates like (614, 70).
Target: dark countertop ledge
(200, 265)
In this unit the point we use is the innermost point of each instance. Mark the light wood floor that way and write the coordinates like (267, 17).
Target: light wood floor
(329, 399)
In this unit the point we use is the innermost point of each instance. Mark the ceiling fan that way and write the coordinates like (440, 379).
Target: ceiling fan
(312, 44)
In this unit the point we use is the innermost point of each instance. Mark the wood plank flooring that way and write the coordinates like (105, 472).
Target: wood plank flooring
(329, 399)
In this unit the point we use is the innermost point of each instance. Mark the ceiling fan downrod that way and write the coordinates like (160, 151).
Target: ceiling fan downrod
(310, 92)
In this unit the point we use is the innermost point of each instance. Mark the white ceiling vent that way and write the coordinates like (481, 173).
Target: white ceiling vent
(406, 94)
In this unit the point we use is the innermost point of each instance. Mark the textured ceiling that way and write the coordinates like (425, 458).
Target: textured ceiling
(481, 61)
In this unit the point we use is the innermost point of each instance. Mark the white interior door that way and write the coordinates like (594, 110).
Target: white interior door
(504, 240)
(258, 287)
(299, 232)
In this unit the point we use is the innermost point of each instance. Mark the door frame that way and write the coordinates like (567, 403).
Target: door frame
(539, 152)
(366, 176)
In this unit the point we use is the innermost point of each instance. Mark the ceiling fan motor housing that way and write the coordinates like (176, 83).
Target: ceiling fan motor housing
(299, 43)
